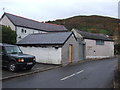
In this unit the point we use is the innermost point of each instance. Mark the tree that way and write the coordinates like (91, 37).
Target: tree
(8, 35)
(117, 49)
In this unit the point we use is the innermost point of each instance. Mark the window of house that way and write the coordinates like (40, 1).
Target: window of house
(25, 31)
(22, 30)
(99, 42)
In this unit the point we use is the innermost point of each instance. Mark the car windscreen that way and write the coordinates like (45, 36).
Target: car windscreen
(12, 49)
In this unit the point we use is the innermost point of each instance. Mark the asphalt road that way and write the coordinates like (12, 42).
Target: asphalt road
(94, 74)
(38, 67)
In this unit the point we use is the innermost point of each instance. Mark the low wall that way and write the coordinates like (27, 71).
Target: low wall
(48, 55)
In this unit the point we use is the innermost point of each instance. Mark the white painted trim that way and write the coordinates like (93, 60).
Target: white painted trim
(87, 57)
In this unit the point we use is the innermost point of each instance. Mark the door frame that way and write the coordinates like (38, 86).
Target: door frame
(70, 53)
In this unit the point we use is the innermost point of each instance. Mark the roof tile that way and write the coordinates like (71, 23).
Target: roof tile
(87, 35)
(47, 38)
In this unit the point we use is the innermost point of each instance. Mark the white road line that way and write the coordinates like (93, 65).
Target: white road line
(79, 71)
(71, 75)
(67, 77)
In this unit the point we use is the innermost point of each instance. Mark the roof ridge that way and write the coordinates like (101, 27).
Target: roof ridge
(100, 34)
(48, 33)
(23, 17)
(93, 35)
(32, 19)
(53, 24)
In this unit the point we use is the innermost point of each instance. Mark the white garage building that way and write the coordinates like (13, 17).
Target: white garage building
(53, 48)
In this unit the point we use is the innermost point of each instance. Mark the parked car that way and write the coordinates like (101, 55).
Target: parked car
(14, 59)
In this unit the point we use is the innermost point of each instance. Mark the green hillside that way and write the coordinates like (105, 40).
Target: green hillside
(94, 24)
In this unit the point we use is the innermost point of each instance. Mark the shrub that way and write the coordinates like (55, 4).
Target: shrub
(8, 35)
(117, 49)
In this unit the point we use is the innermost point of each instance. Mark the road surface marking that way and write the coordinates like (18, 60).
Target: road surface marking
(79, 71)
(72, 75)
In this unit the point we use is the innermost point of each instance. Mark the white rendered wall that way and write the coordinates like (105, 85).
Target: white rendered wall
(28, 31)
(5, 21)
(48, 55)
(101, 51)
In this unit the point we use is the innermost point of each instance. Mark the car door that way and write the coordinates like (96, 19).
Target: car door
(5, 58)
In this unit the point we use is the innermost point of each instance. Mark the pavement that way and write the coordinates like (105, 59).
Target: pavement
(95, 74)
(37, 68)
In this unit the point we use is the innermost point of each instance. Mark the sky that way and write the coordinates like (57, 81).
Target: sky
(45, 10)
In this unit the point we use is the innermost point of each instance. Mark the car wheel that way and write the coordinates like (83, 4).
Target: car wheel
(12, 66)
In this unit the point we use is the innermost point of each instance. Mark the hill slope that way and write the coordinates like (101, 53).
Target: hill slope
(94, 24)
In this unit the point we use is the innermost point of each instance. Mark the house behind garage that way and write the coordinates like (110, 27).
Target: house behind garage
(53, 48)
(24, 26)
(96, 45)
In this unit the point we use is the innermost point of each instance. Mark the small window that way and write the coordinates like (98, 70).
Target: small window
(22, 30)
(25, 31)
(99, 42)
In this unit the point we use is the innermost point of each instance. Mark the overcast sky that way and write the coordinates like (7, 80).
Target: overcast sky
(44, 10)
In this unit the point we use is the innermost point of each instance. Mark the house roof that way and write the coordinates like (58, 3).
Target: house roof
(87, 35)
(25, 22)
(45, 39)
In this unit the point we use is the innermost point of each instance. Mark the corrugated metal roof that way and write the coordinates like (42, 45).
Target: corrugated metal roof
(45, 39)
(87, 35)
(24, 22)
